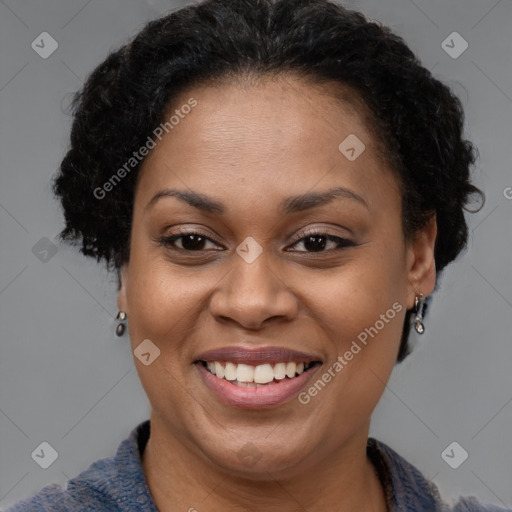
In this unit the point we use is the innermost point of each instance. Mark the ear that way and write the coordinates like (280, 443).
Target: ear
(421, 264)
(122, 302)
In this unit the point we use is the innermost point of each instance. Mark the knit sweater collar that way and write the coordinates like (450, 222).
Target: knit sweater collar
(122, 479)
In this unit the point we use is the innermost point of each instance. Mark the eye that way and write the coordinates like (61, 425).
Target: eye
(316, 241)
(190, 241)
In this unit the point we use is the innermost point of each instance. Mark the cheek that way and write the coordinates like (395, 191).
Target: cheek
(161, 298)
(164, 302)
(363, 323)
(362, 310)
(168, 303)
(355, 297)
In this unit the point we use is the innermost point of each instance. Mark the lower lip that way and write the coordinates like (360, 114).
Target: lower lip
(255, 397)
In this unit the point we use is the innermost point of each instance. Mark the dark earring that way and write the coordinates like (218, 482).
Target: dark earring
(419, 308)
(121, 326)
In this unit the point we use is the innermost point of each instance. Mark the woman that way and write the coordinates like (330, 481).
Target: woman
(278, 185)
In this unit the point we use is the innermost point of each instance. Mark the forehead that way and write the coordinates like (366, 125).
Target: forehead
(279, 132)
(280, 112)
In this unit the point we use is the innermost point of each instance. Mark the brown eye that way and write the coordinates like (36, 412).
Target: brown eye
(190, 241)
(317, 242)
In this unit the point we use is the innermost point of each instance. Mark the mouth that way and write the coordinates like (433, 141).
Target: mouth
(254, 376)
(250, 378)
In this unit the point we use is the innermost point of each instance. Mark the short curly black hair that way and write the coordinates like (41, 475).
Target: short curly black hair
(419, 120)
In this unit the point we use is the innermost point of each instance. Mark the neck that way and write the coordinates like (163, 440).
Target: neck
(179, 480)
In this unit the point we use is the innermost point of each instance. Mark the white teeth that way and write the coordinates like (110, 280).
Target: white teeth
(230, 371)
(279, 371)
(219, 369)
(290, 370)
(263, 373)
(247, 384)
(245, 374)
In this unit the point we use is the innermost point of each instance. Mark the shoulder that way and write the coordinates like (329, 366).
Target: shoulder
(407, 489)
(471, 504)
(53, 498)
(111, 484)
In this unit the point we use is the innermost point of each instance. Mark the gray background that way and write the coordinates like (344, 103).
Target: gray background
(66, 379)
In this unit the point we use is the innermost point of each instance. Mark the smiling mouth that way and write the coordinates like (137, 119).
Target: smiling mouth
(245, 375)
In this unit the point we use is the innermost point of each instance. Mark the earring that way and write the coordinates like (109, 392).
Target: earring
(419, 308)
(121, 327)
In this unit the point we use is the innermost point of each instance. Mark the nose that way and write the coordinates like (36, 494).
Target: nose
(253, 293)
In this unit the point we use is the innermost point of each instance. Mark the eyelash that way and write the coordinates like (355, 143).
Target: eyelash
(168, 241)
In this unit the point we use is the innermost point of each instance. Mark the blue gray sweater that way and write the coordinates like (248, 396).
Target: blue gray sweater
(117, 484)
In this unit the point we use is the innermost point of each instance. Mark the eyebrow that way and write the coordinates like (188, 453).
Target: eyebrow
(289, 205)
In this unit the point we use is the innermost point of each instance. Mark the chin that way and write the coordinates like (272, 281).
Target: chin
(252, 463)
(256, 455)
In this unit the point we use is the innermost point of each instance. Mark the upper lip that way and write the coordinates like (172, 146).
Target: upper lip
(255, 356)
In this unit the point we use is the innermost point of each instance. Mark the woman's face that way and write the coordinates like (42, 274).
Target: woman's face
(260, 284)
